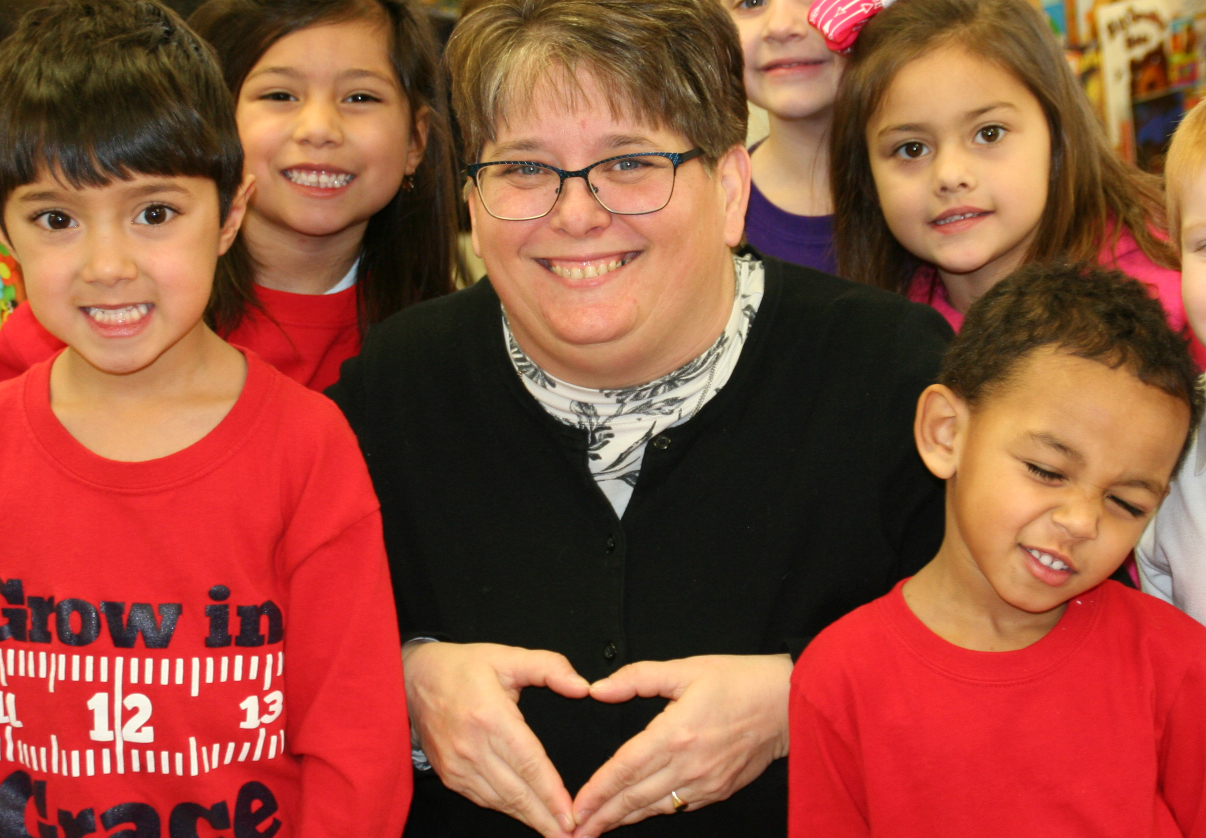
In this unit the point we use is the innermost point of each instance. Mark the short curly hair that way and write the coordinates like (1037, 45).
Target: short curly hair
(1087, 311)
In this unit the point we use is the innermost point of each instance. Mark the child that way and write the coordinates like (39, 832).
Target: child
(1171, 557)
(340, 108)
(790, 73)
(197, 622)
(1010, 688)
(968, 149)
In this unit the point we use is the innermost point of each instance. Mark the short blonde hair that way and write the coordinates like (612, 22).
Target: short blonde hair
(1186, 155)
(675, 64)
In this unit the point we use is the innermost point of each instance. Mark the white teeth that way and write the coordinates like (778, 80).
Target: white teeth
(955, 218)
(118, 316)
(589, 269)
(323, 180)
(1047, 560)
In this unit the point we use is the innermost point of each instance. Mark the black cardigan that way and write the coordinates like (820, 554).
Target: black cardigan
(795, 495)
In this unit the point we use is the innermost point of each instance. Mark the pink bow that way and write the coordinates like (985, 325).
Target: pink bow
(839, 21)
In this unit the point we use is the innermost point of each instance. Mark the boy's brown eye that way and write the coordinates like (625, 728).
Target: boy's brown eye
(155, 215)
(57, 221)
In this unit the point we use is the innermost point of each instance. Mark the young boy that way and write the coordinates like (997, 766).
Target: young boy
(1172, 553)
(197, 634)
(1009, 688)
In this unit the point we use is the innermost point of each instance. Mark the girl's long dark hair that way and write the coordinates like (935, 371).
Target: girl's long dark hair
(1091, 193)
(409, 250)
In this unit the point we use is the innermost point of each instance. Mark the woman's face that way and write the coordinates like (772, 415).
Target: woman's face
(788, 69)
(326, 130)
(670, 295)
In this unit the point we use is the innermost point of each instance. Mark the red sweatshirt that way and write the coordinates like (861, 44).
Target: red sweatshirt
(206, 638)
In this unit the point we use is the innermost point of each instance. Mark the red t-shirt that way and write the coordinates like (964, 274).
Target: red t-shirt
(1097, 729)
(207, 637)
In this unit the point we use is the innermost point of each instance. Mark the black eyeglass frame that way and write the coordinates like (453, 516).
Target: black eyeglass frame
(676, 158)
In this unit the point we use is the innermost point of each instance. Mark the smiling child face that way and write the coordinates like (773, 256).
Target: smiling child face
(960, 152)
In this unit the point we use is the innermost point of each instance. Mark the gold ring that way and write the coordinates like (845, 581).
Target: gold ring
(680, 805)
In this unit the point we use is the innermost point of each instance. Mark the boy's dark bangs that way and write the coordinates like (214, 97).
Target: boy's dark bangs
(103, 135)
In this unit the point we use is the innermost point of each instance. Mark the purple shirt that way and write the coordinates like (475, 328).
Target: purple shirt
(803, 239)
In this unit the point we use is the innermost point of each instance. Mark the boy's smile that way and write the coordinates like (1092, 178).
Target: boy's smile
(121, 273)
(1050, 482)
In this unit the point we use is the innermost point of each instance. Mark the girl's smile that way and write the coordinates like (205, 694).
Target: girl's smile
(327, 130)
(788, 69)
(960, 151)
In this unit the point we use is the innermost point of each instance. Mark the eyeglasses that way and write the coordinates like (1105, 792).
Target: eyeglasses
(631, 184)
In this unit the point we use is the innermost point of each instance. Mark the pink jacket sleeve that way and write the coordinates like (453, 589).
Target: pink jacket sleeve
(1164, 284)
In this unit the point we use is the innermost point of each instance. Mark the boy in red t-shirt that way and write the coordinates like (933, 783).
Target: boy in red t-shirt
(1009, 688)
(197, 631)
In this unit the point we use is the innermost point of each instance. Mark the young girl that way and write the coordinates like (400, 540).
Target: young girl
(198, 624)
(967, 148)
(790, 73)
(340, 110)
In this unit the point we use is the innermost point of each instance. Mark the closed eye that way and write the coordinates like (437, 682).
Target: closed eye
(1044, 474)
(1128, 508)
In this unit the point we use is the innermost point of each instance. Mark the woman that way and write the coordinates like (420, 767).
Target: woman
(627, 457)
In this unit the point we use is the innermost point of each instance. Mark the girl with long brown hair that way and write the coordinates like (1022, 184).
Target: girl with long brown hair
(963, 147)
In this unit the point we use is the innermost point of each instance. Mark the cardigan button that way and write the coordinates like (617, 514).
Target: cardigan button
(609, 652)
(611, 544)
(661, 442)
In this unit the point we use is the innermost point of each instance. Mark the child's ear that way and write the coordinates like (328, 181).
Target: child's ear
(234, 218)
(938, 427)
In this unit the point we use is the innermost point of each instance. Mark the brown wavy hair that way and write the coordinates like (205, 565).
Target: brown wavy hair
(1091, 194)
(409, 251)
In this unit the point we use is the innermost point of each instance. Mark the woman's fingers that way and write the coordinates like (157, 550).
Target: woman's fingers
(726, 721)
(462, 700)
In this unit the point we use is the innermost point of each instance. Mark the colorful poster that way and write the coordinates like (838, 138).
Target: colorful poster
(11, 289)
(1134, 62)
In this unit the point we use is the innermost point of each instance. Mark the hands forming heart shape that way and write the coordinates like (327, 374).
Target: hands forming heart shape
(725, 722)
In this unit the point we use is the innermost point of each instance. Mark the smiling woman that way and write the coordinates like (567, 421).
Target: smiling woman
(669, 442)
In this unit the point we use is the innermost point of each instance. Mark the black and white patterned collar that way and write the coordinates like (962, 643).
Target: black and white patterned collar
(620, 422)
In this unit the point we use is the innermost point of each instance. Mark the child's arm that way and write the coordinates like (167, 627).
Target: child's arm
(345, 698)
(826, 798)
(1183, 750)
